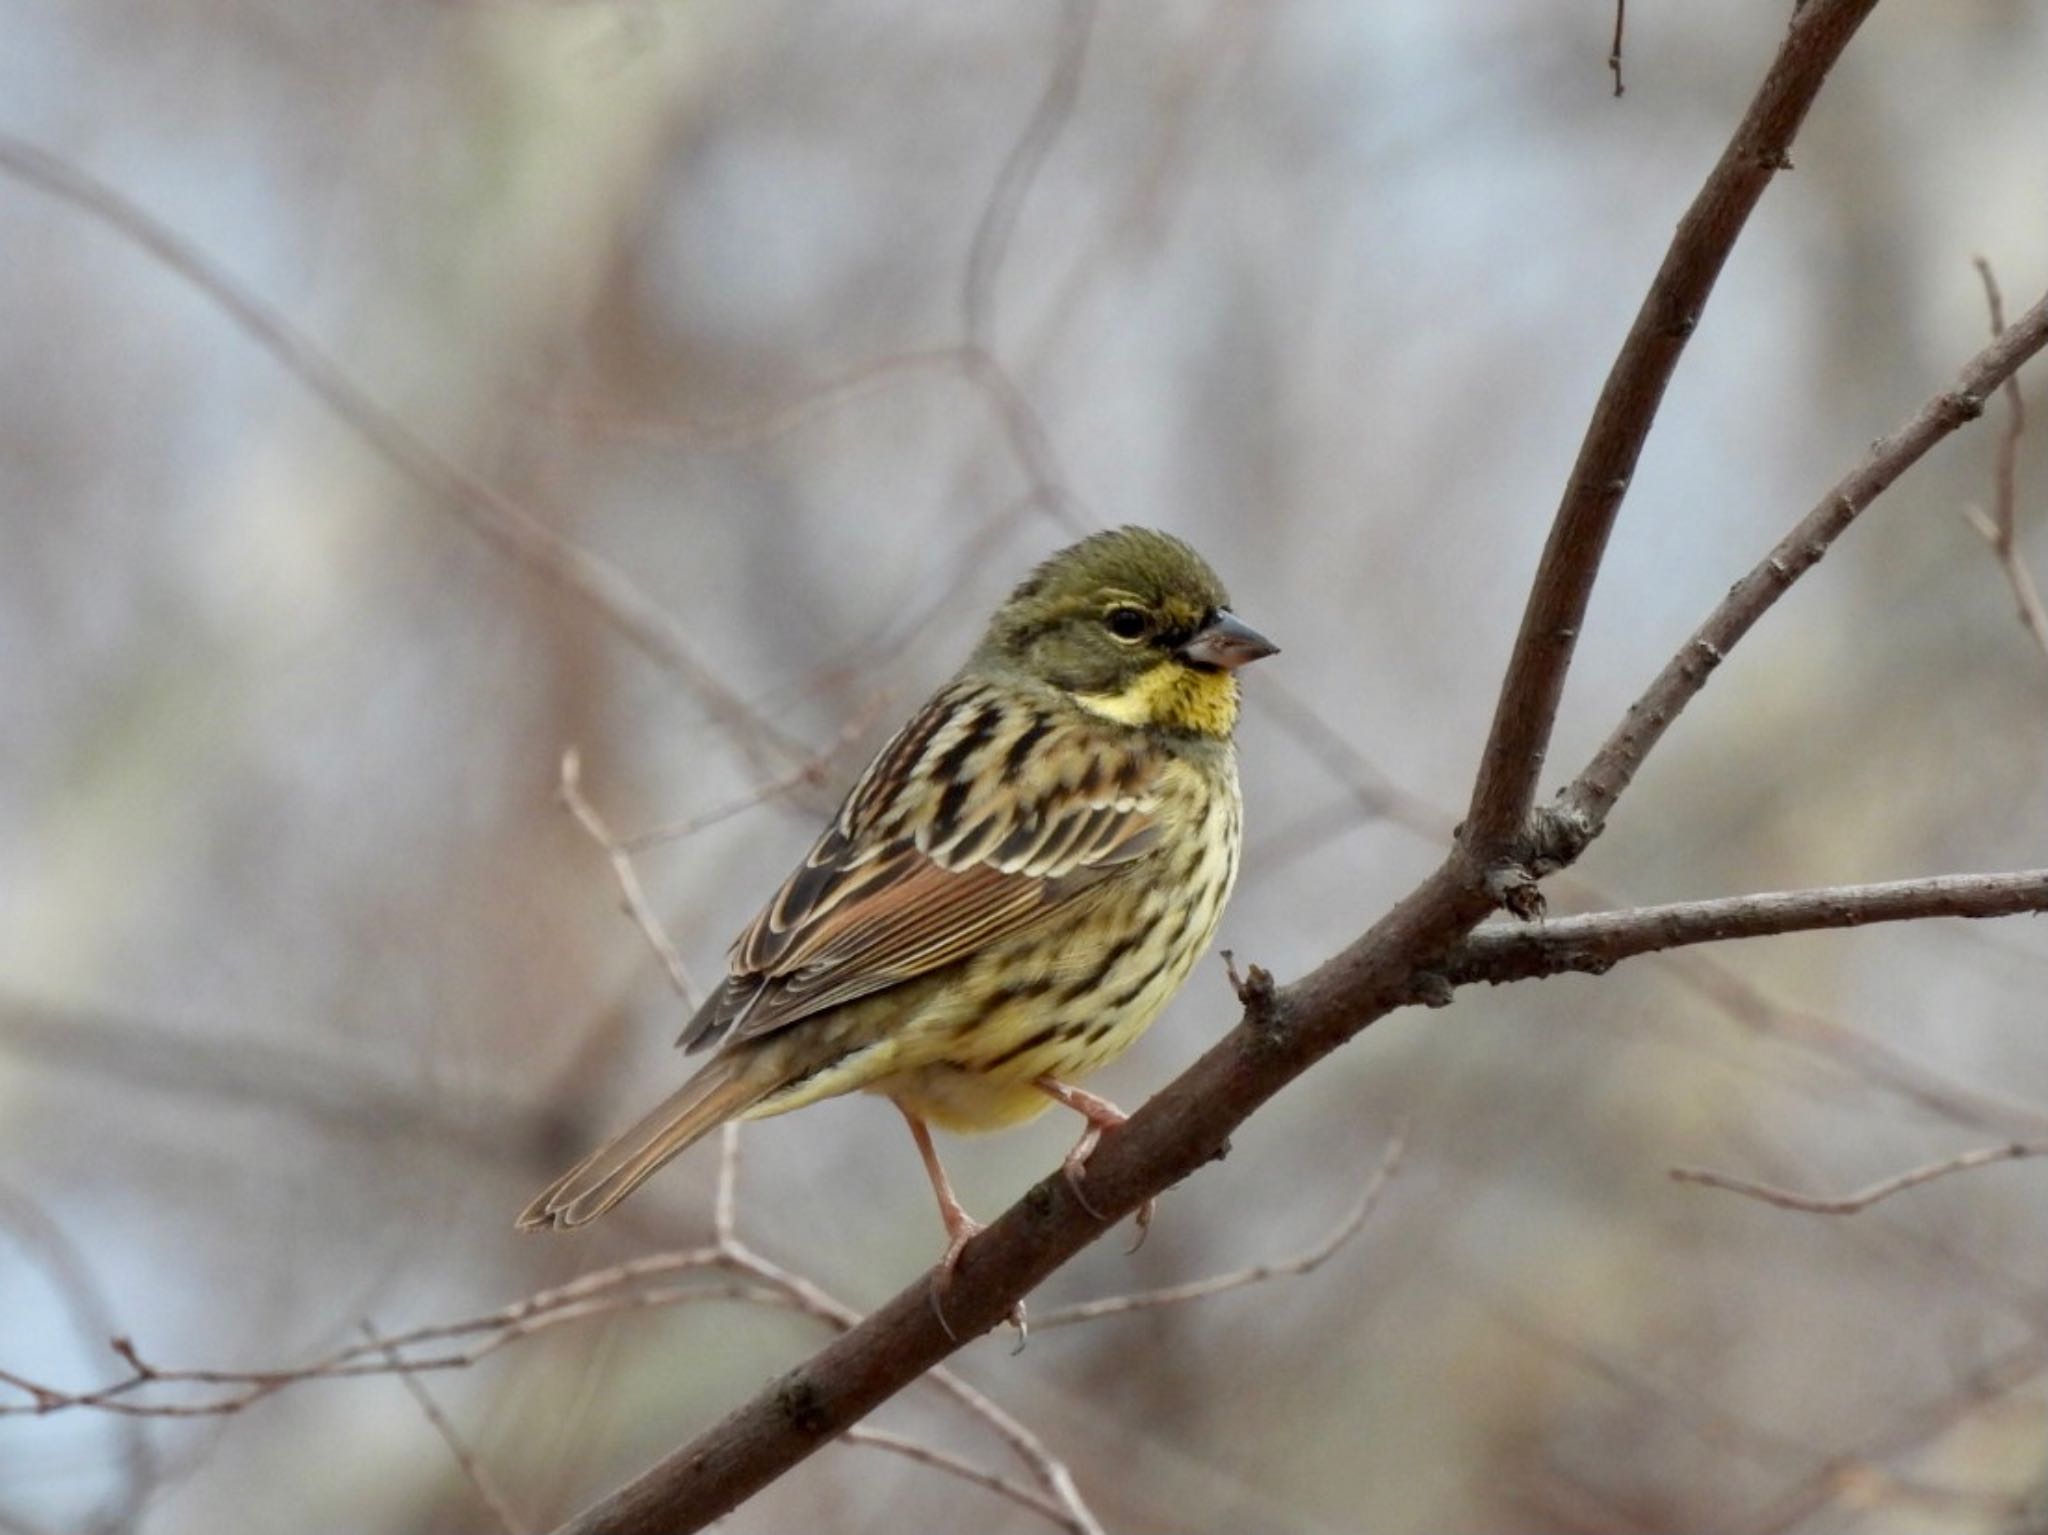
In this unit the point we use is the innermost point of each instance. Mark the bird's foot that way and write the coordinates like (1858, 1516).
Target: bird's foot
(1101, 1115)
(962, 1228)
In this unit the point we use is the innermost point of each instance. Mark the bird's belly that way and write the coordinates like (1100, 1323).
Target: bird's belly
(1058, 1003)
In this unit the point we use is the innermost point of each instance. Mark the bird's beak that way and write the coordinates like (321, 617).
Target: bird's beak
(1226, 642)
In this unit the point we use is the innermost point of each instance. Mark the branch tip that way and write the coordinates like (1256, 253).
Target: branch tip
(1255, 990)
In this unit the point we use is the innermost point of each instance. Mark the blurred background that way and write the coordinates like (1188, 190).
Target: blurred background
(307, 981)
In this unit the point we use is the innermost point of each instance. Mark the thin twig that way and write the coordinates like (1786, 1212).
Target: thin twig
(1583, 807)
(465, 1458)
(1863, 1198)
(966, 1471)
(570, 791)
(484, 508)
(1258, 1273)
(1999, 529)
(724, 1270)
(1595, 943)
(89, 1310)
(1614, 52)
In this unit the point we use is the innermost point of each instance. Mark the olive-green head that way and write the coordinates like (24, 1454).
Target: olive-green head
(1134, 625)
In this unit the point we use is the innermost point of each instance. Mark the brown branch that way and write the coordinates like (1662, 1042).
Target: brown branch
(1534, 682)
(1998, 529)
(724, 1270)
(1582, 809)
(1863, 1198)
(485, 509)
(1595, 943)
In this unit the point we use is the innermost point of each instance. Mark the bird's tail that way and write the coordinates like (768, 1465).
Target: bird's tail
(715, 1094)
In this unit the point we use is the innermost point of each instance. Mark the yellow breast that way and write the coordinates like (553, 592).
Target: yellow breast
(1073, 993)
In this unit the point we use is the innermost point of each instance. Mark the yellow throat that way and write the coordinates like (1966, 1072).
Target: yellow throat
(1172, 696)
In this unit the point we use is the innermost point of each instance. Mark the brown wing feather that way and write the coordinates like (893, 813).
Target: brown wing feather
(978, 818)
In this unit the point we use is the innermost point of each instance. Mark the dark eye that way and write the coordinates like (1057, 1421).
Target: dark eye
(1128, 623)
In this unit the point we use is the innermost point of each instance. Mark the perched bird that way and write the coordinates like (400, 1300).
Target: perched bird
(1012, 891)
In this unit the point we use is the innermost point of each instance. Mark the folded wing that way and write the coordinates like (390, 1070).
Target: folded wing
(982, 815)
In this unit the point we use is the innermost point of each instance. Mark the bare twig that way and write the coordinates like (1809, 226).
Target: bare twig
(89, 1309)
(1863, 1198)
(1614, 52)
(1534, 682)
(569, 789)
(465, 1459)
(1597, 942)
(967, 1471)
(724, 1270)
(1582, 808)
(1998, 529)
(1258, 1273)
(487, 510)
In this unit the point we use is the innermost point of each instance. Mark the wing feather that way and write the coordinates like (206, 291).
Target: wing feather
(982, 815)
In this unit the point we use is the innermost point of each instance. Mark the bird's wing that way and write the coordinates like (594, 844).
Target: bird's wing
(983, 814)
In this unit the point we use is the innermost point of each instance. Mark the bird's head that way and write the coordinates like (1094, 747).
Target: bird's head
(1135, 627)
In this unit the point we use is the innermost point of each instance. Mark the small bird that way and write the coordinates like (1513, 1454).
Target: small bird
(1010, 893)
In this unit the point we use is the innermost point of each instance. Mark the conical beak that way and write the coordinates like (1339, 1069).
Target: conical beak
(1226, 642)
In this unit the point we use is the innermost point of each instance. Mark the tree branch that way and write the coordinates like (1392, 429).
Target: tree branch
(1582, 808)
(1534, 682)
(1594, 944)
(1864, 1198)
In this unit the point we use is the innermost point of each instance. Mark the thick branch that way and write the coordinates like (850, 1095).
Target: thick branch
(1585, 804)
(1595, 943)
(1556, 611)
(1175, 1133)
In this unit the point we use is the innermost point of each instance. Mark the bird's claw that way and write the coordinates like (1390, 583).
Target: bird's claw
(1146, 1211)
(962, 1230)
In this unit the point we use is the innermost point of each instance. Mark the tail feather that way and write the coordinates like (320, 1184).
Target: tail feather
(711, 1097)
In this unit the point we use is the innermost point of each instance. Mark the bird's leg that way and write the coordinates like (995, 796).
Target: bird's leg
(1101, 1115)
(961, 1228)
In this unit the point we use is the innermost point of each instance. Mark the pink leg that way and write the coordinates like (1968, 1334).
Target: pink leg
(961, 1228)
(1101, 1115)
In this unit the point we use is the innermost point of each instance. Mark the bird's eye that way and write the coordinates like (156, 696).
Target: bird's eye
(1128, 623)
